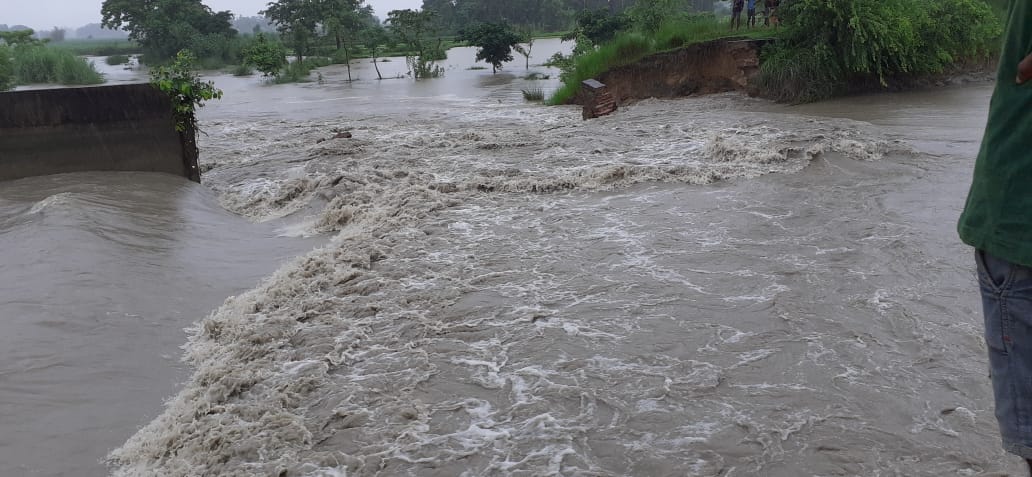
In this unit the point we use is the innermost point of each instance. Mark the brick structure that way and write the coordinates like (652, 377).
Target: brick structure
(598, 100)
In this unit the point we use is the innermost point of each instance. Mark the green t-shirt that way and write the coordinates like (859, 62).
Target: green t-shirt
(998, 214)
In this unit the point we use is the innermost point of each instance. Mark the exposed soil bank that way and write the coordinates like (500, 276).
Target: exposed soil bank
(711, 67)
(724, 65)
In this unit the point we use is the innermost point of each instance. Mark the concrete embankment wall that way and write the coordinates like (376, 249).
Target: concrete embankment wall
(704, 68)
(105, 128)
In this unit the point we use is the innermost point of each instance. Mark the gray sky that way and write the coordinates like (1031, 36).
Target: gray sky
(46, 14)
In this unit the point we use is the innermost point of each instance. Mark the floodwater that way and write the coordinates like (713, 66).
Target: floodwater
(474, 285)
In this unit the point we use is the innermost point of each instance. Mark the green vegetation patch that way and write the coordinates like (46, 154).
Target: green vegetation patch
(830, 48)
(42, 64)
(99, 47)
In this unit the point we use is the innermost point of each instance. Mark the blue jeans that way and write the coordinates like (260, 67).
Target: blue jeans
(1007, 303)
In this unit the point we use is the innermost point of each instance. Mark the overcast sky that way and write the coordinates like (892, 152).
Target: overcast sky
(46, 14)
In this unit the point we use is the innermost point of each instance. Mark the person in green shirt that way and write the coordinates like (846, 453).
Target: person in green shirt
(997, 221)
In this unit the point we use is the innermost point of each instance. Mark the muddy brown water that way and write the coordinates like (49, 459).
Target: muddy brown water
(471, 285)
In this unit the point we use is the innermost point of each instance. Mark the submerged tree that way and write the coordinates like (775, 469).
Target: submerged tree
(495, 42)
(525, 49)
(415, 29)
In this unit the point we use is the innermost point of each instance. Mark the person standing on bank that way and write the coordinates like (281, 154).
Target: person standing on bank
(736, 13)
(997, 221)
(751, 19)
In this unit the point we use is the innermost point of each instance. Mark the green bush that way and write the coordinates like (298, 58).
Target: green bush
(41, 64)
(267, 56)
(179, 80)
(117, 60)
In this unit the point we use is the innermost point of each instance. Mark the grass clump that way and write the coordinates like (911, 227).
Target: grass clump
(115, 60)
(535, 76)
(533, 94)
(41, 64)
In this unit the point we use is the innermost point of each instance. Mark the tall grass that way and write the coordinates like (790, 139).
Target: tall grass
(41, 64)
(91, 47)
(684, 32)
(831, 48)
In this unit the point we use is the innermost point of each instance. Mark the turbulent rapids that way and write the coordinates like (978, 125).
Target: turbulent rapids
(688, 287)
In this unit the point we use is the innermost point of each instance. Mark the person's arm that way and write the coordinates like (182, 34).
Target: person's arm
(1025, 70)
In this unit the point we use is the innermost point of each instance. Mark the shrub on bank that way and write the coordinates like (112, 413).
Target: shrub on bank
(41, 64)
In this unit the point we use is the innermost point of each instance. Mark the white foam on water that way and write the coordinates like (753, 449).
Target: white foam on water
(474, 314)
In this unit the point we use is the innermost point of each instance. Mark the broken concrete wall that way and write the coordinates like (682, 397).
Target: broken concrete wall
(105, 128)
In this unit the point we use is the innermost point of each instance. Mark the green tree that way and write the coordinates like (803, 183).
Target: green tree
(6, 69)
(297, 21)
(164, 27)
(20, 37)
(416, 30)
(648, 15)
(57, 35)
(598, 26)
(495, 42)
(266, 56)
(343, 19)
(526, 37)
